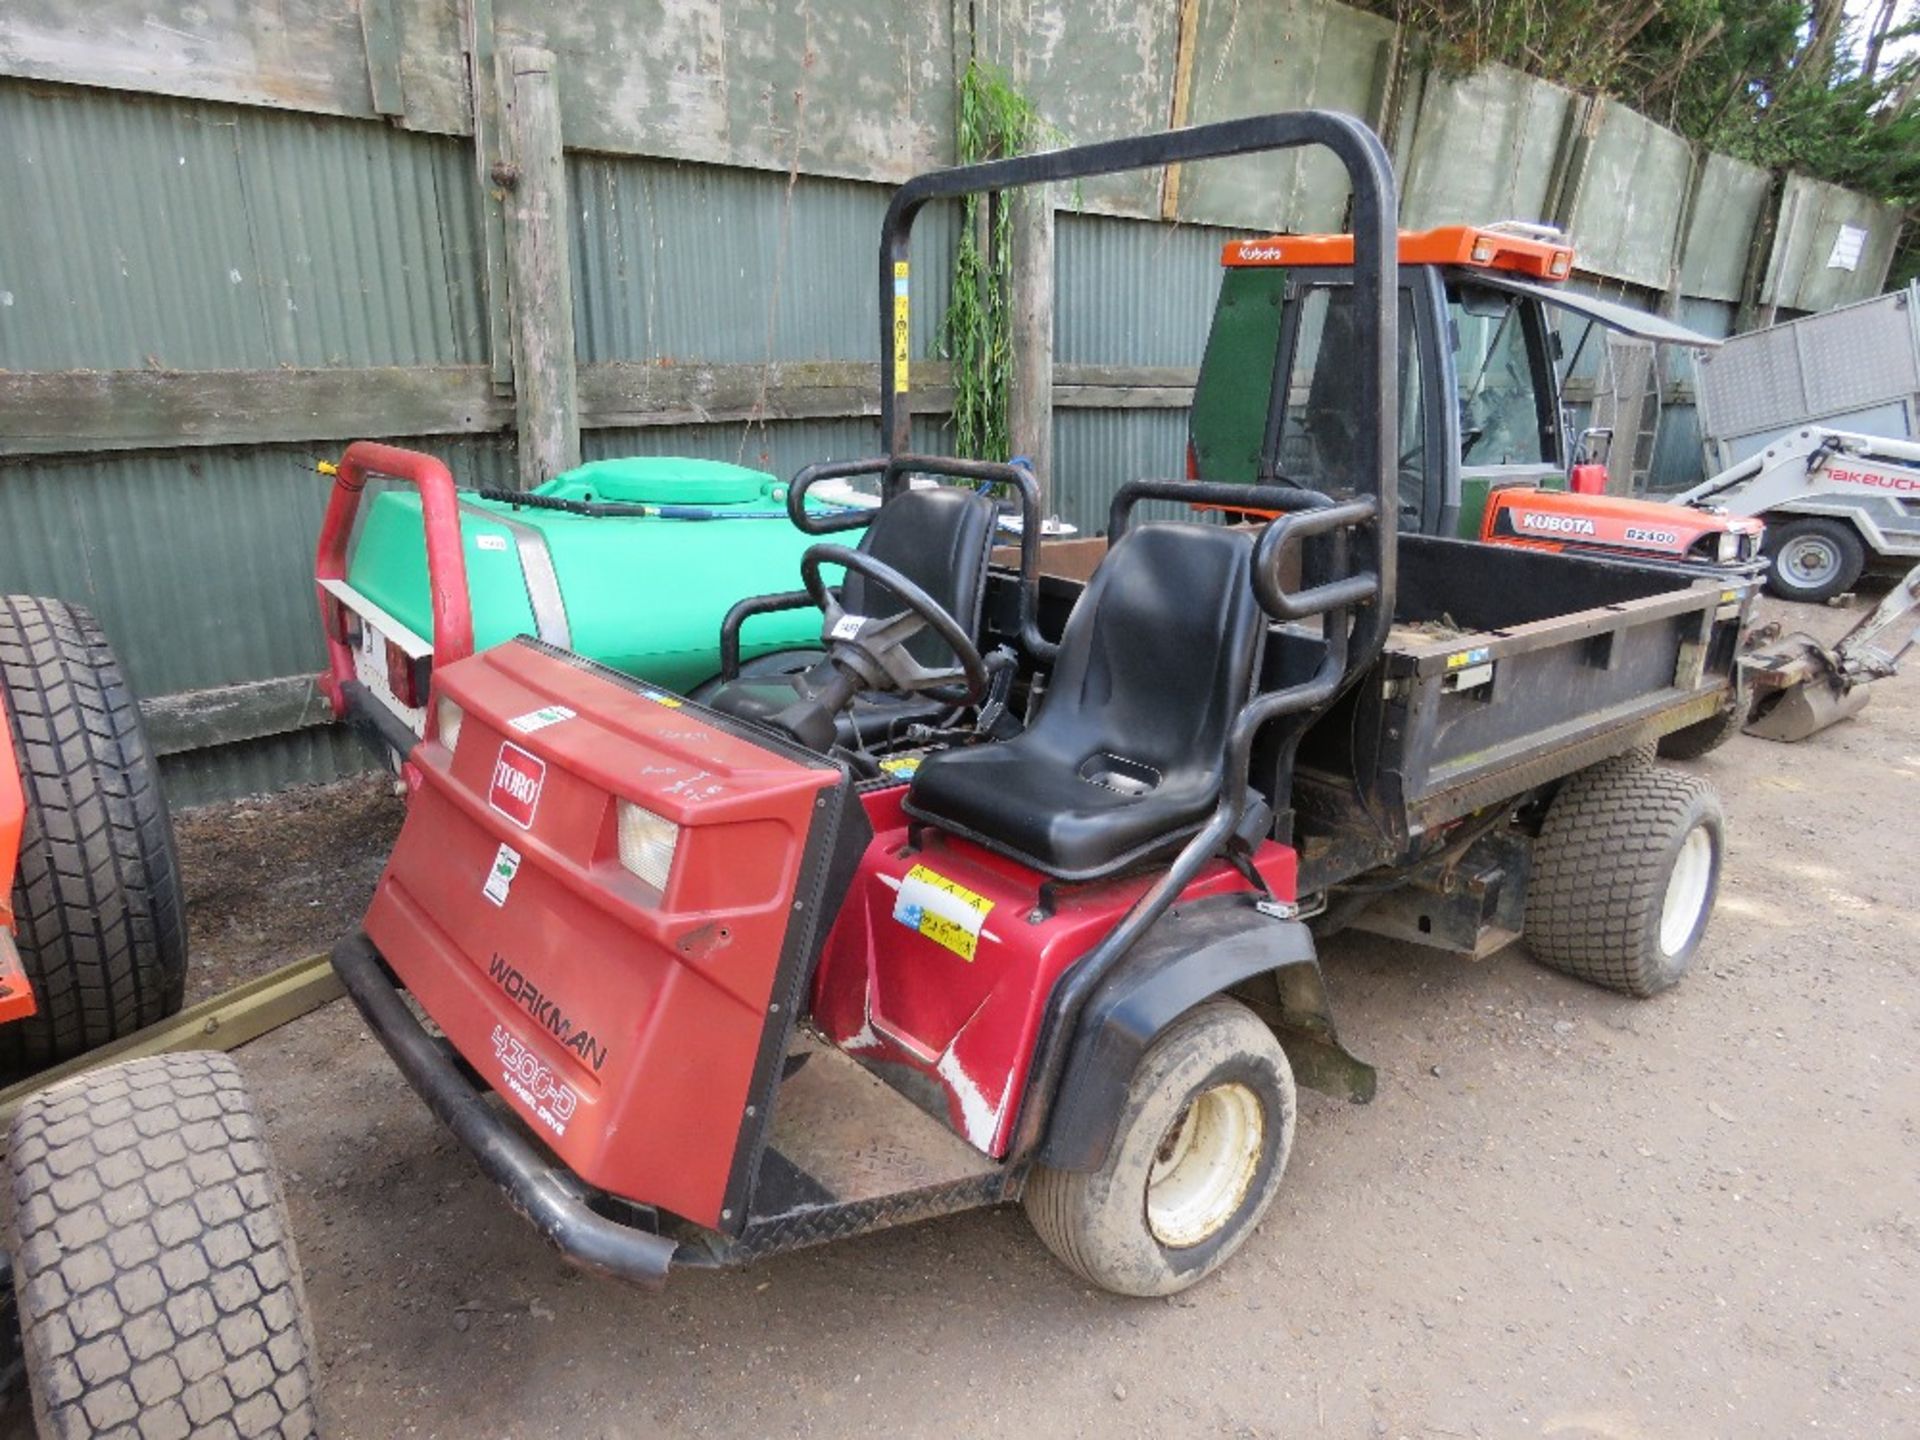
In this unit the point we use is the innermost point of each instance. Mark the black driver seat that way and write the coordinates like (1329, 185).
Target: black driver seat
(938, 537)
(1128, 754)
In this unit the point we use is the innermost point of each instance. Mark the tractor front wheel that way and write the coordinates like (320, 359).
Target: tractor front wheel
(1196, 1160)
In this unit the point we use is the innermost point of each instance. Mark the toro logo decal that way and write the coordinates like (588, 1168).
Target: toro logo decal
(517, 778)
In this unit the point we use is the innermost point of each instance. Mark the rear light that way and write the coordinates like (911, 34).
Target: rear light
(1193, 462)
(447, 719)
(408, 676)
(647, 843)
(341, 623)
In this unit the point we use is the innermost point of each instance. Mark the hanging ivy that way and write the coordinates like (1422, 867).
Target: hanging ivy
(995, 121)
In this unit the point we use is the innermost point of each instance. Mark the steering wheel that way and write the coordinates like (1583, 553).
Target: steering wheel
(875, 650)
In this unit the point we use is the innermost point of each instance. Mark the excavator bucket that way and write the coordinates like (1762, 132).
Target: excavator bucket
(1799, 688)
(1805, 710)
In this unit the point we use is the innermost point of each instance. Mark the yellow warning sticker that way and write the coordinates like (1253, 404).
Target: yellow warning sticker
(943, 910)
(901, 311)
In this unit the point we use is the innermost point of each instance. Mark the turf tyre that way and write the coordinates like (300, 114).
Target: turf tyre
(1099, 1223)
(1616, 841)
(101, 921)
(157, 1283)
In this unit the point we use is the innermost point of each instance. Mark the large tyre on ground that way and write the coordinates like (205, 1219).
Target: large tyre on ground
(1625, 872)
(1813, 559)
(158, 1288)
(1201, 1145)
(102, 925)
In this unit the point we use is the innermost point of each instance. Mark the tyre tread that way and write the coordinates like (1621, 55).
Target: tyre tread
(158, 1286)
(97, 897)
(1600, 868)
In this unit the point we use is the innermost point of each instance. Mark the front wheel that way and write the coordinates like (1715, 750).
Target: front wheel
(159, 1290)
(1196, 1159)
(1813, 559)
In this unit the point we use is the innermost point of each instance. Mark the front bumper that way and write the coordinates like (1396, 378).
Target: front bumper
(546, 1193)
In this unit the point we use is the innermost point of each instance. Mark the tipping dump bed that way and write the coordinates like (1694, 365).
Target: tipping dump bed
(1506, 668)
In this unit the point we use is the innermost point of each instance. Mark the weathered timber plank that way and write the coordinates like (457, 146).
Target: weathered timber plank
(51, 411)
(199, 719)
(77, 411)
(225, 1022)
(632, 393)
(546, 371)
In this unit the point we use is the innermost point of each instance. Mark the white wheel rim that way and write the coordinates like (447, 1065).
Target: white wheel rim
(1812, 560)
(1686, 890)
(1205, 1165)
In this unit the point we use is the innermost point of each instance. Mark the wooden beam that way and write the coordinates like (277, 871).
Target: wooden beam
(380, 33)
(52, 412)
(227, 714)
(1185, 38)
(225, 1022)
(489, 163)
(637, 393)
(546, 394)
(45, 412)
(1030, 406)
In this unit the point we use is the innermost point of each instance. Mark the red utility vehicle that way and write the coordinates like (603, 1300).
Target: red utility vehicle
(698, 981)
(740, 974)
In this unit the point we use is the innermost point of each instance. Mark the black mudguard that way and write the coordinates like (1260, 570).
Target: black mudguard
(1192, 954)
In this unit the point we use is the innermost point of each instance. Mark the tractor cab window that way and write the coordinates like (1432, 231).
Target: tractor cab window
(1318, 431)
(1504, 412)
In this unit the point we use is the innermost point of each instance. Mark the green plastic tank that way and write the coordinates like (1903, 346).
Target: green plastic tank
(644, 594)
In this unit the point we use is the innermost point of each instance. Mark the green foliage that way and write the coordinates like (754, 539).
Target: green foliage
(995, 121)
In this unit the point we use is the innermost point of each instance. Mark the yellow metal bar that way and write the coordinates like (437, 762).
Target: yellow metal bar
(225, 1022)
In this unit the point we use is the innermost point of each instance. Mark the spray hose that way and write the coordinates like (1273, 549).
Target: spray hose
(626, 510)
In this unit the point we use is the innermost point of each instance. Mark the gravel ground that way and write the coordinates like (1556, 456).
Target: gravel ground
(1566, 1215)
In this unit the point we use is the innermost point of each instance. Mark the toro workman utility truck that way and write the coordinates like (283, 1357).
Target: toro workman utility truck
(701, 981)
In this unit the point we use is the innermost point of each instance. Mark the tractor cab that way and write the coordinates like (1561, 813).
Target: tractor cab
(1483, 448)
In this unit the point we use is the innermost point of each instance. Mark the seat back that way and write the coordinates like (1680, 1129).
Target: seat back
(1157, 659)
(938, 538)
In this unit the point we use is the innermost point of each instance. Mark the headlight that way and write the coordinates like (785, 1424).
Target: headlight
(1729, 546)
(449, 718)
(647, 843)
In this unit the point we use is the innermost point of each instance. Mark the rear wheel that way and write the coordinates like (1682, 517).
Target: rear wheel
(1625, 872)
(1705, 736)
(158, 1287)
(1201, 1145)
(102, 925)
(1813, 559)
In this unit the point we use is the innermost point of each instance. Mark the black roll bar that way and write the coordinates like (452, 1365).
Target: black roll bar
(1376, 279)
(1358, 606)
